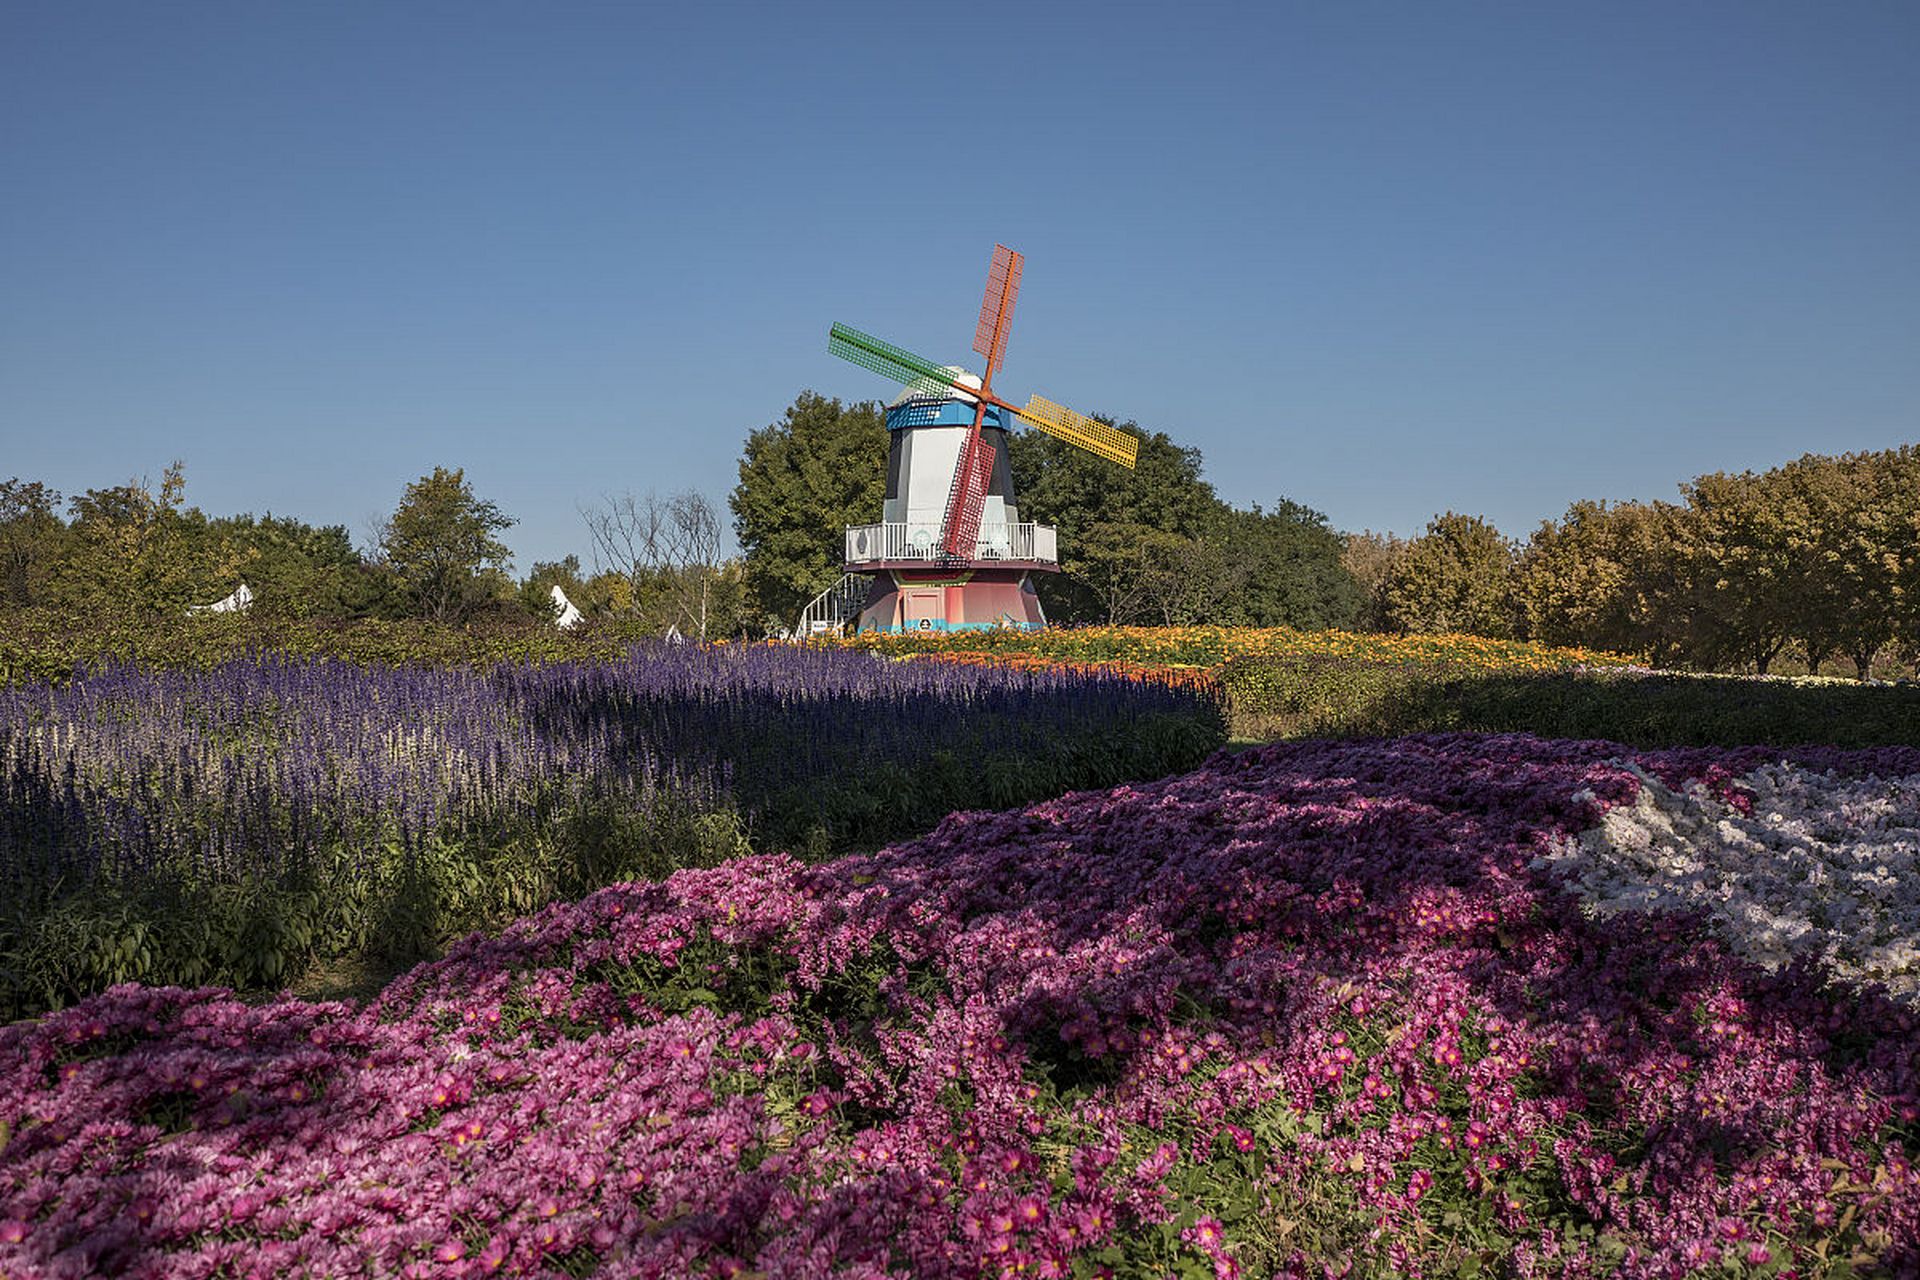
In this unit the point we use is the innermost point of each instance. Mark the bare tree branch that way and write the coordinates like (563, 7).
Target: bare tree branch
(670, 544)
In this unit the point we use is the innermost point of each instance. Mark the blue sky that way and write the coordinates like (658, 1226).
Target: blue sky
(1383, 259)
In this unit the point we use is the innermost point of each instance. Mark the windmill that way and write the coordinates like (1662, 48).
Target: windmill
(950, 551)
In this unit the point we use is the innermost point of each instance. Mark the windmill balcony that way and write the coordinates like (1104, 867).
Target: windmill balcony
(880, 544)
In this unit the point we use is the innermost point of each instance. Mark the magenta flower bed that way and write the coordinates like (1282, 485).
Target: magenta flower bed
(1304, 1010)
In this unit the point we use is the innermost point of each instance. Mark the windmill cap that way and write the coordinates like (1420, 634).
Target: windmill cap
(926, 390)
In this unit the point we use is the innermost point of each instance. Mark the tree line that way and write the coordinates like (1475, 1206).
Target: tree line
(1817, 561)
(138, 549)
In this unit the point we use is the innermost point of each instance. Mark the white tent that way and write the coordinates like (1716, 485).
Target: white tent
(566, 615)
(235, 603)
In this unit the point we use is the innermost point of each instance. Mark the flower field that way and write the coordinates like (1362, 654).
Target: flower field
(228, 824)
(1316, 1008)
(1793, 864)
(1213, 646)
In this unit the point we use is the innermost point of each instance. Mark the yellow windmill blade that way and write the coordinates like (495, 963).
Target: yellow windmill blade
(1063, 423)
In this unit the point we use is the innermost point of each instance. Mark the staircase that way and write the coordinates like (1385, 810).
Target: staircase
(838, 605)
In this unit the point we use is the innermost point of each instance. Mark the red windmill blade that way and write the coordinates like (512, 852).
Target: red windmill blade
(973, 473)
(967, 500)
(996, 309)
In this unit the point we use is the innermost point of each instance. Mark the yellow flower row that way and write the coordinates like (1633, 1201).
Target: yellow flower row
(1212, 646)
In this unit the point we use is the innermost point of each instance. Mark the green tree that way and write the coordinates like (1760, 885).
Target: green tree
(1190, 581)
(535, 593)
(440, 543)
(31, 532)
(1107, 515)
(298, 570)
(1899, 488)
(1288, 570)
(1570, 582)
(135, 549)
(1660, 617)
(1454, 578)
(1873, 543)
(1370, 559)
(803, 480)
(1737, 560)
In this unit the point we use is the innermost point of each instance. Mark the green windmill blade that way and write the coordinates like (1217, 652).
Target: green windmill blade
(914, 372)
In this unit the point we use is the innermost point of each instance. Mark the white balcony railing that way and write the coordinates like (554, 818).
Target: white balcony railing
(868, 543)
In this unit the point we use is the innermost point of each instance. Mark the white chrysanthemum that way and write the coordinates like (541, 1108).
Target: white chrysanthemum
(1822, 866)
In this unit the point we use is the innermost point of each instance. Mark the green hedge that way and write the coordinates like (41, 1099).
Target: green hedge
(1339, 698)
(39, 644)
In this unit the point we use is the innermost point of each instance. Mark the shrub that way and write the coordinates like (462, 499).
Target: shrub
(1331, 697)
(1211, 646)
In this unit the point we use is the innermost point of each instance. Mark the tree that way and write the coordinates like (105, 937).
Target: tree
(298, 570)
(1193, 581)
(1736, 555)
(440, 543)
(1570, 581)
(1900, 489)
(134, 549)
(667, 547)
(1370, 559)
(536, 589)
(1660, 617)
(1103, 513)
(30, 534)
(1846, 554)
(1453, 578)
(803, 480)
(1286, 570)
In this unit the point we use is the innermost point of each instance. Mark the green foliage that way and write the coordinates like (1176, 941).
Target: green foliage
(297, 570)
(1370, 560)
(1156, 545)
(803, 479)
(1821, 556)
(31, 534)
(977, 769)
(136, 551)
(1453, 579)
(440, 543)
(1735, 549)
(1313, 696)
(48, 644)
(372, 897)
(1674, 710)
(699, 601)
(1336, 697)
(1115, 524)
(1571, 580)
(1292, 571)
(535, 592)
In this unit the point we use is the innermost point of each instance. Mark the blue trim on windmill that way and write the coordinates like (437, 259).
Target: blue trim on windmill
(941, 413)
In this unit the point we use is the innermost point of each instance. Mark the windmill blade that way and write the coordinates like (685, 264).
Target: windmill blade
(1078, 429)
(912, 371)
(996, 308)
(967, 500)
